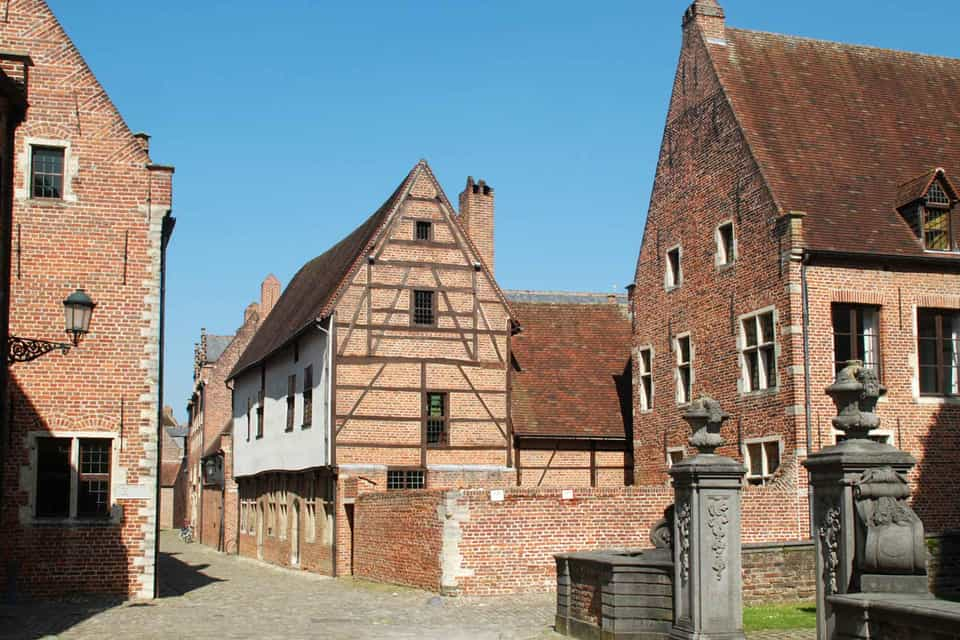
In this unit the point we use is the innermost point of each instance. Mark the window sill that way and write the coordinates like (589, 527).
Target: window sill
(93, 521)
(46, 202)
(937, 400)
(306, 426)
(259, 437)
(760, 393)
(727, 266)
(288, 429)
(672, 287)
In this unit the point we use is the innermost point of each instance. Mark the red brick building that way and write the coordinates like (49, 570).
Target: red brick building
(213, 506)
(418, 388)
(91, 210)
(173, 473)
(803, 213)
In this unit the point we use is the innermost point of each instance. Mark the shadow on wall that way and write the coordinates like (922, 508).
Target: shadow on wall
(936, 499)
(624, 384)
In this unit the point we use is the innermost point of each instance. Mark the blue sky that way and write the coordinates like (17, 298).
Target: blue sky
(289, 122)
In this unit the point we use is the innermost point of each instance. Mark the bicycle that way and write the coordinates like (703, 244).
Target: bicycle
(186, 534)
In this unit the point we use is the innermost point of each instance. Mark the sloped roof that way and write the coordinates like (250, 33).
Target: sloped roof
(316, 284)
(837, 128)
(216, 345)
(575, 376)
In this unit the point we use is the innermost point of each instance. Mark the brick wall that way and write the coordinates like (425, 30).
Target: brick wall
(104, 235)
(470, 544)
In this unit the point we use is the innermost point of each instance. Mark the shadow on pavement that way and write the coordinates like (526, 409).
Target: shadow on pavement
(178, 577)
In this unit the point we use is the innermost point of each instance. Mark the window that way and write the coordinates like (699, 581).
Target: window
(308, 397)
(938, 348)
(936, 219)
(757, 351)
(675, 455)
(726, 249)
(46, 172)
(260, 399)
(424, 312)
(93, 496)
(291, 400)
(856, 336)
(674, 275)
(437, 425)
(249, 411)
(684, 369)
(405, 479)
(762, 459)
(645, 388)
(423, 230)
(55, 488)
(53, 477)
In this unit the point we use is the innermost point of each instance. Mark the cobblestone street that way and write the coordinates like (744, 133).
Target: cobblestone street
(205, 594)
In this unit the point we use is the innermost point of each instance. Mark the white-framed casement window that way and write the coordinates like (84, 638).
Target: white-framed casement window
(684, 371)
(758, 358)
(49, 169)
(938, 351)
(675, 455)
(73, 475)
(726, 244)
(673, 272)
(645, 381)
(762, 458)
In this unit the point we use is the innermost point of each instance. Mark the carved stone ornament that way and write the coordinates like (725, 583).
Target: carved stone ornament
(894, 542)
(705, 418)
(829, 535)
(718, 511)
(683, 531)
(661, 535)
(855, 393)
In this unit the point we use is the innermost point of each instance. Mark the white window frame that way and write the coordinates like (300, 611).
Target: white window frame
(644, 403)
(744, 385)
(673, 280)
(681, 450)
(723, 258)
(766, 475)
(678, 382)
(70, 168)
(117, 475)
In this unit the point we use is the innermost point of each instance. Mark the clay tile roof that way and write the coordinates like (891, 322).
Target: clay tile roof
(574, 377)
(306, 298)
(169, 471)
(838, 128)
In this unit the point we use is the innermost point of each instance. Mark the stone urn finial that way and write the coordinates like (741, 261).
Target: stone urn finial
(855, 393)
(705, 418)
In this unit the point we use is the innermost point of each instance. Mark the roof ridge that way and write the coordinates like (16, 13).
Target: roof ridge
(846, 45)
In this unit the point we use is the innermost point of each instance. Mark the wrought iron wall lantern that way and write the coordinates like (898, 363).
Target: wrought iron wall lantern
(78, 307)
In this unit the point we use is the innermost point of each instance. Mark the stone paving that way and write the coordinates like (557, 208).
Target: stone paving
(205, 594)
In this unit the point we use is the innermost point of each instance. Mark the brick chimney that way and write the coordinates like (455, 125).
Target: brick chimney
(476, 214)
(252, 310)
(269, 294)
(707, 15)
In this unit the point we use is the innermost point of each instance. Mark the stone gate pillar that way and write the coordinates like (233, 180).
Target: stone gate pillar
(708, 598)
(867, 538)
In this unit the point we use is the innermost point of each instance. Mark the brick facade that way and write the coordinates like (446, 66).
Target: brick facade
(720, 165)
(107, 233)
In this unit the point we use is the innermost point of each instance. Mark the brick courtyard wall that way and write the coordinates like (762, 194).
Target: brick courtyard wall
(491, 547)
(104, 234)
(399, 538)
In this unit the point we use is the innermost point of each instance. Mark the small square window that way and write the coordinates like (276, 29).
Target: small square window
(726, 251)
(762, 459)
(424, 309)
(423, 230)
(46, 179)
(674, 274)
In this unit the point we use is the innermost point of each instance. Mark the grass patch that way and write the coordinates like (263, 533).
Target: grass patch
(788, 615)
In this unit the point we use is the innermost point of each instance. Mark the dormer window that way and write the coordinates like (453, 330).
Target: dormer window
(926, 203)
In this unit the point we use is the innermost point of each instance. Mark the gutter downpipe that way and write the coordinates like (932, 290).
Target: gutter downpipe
(806, 374)
(329, 432)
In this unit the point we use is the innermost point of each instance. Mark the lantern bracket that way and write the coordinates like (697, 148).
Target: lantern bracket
(27, 349)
